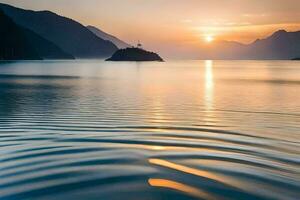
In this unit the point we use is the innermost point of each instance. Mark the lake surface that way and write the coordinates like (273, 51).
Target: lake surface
(91, 129)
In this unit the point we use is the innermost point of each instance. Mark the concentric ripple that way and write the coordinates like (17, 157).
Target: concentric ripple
(174, 130)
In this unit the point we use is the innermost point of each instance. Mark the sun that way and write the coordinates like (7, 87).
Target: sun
(209, 38)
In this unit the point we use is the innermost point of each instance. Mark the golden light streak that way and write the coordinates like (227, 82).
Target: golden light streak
(209, 85)
(227, 180)
(201, 173)
(180, 187)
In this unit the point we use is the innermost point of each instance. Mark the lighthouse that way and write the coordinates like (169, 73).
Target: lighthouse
(139, 45)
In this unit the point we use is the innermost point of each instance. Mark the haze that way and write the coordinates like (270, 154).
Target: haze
(176, 28)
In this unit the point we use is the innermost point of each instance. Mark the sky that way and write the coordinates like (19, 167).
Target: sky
(177, 27)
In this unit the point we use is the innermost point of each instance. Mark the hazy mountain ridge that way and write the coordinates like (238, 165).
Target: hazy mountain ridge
(45, 48)
(105, 36)
(14, 44)
(20, 43)
(280, 45)
(69, 35)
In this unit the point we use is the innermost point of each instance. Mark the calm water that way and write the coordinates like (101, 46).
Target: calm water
(173, 130)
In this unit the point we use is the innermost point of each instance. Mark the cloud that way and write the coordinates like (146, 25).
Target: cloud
(249, 15)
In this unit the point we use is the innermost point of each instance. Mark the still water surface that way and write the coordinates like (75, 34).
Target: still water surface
(174, 130)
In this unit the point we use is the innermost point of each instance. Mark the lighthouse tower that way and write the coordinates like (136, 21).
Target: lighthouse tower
(139, 45)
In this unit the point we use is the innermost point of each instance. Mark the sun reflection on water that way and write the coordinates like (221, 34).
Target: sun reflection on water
(179, 187)
(185, 169)
(209, 85)
(216, 177)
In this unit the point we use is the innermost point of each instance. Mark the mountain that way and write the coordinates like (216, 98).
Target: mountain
(134, 54)
(69, 35)
(226, 50)
(18, 39)
(105, 36)
(45, 48)
(280, 45)
(14, 44)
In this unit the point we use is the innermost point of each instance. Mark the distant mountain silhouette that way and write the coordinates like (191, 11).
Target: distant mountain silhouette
(134, 54)
(296, 58)
(69, 35)
(105, 36)
(280, 45)
(36, 45)
(45, 48)
(13, 42)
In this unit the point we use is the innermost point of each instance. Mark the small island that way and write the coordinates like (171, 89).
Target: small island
(296, 58)
(134, 54)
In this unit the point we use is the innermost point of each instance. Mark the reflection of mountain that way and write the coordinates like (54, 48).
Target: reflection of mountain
(105, 36)
(280, 45)
(67, 34)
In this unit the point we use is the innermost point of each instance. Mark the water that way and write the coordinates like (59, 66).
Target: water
(174, 130)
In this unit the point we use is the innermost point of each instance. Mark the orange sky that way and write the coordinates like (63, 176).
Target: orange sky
(176, 27)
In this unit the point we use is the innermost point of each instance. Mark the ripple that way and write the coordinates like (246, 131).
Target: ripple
(105, 132)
